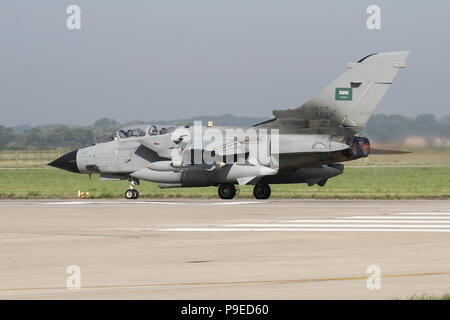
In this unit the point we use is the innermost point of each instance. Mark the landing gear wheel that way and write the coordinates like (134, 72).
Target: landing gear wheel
(129, 194)
(132, 193)
(227, 191)
(262, 190)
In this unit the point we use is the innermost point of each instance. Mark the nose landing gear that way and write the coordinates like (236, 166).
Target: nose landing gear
(132, 193)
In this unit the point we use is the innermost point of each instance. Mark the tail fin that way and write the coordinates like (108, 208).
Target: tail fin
(351, 99)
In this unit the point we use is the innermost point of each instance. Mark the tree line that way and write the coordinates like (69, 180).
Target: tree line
(380, 128)
(387, 128)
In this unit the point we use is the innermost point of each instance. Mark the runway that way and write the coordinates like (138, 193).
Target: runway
(213, 249)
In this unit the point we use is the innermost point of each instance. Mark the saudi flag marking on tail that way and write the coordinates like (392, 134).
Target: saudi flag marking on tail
(344, 94)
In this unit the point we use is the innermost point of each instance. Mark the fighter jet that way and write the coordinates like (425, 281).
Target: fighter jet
(306, 144)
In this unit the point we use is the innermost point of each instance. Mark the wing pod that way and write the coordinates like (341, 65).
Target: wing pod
(179, 165)
(157, 176)
(162, 166)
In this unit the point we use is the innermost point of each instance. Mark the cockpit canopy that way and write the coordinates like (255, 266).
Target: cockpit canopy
(143, 130)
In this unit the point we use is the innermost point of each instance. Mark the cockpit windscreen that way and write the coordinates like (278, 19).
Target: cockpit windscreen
(134, 131)
(142, 130)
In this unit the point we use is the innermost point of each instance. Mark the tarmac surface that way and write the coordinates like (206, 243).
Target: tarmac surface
(214, 249)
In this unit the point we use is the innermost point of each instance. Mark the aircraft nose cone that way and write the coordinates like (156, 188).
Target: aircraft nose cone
(67, 162)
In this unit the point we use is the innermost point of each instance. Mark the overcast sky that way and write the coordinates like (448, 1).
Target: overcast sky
(151, 60)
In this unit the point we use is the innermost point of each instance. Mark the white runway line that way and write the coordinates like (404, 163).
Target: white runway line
(170, 203)
(299, 229)
(340, 225)
(395, 222)
(394, 217)
(374, 220)
(113, 203)
(63, 203)
(232, 203)
(426, 213)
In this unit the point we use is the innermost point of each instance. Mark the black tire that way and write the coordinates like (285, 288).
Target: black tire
(135, 194)
(261, 191)
(129, 194)
(226, 191)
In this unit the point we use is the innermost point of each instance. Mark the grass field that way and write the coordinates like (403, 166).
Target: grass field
(355, 183)
(10, 159)
(445, 296)
(432, 156)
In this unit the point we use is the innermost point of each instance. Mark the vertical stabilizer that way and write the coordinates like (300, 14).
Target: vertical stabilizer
(352, 98)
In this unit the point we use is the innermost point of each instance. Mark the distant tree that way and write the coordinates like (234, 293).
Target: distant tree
(384, 128)
(6, 137)
(53, 136)
(380, 128)
(21, 128)
(426, 124)
(445, 121)
(105, 122)
(32, 138)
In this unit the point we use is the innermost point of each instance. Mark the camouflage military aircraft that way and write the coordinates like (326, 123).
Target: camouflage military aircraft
(301, 145)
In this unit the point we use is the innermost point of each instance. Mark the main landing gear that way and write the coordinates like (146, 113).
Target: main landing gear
(227, 191)
(261, 190)
(132, 193)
